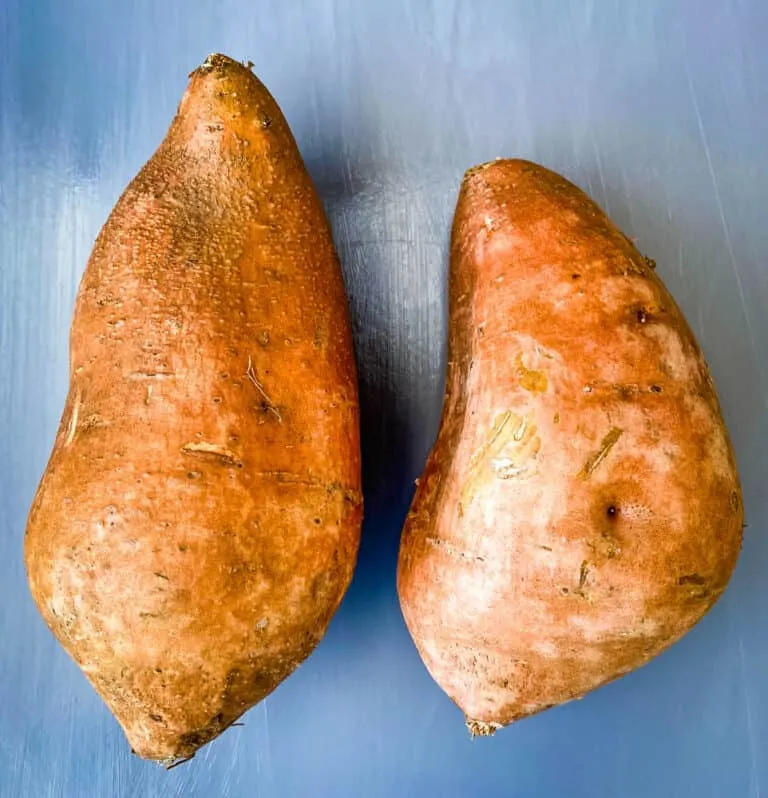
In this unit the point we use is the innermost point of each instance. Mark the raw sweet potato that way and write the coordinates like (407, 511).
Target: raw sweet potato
(198, 522)
(581, 508)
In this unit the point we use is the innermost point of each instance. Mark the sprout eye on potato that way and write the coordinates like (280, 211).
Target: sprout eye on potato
(199, 518)
(581, 509)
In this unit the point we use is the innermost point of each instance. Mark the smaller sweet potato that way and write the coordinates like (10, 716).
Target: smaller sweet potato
(581, 508)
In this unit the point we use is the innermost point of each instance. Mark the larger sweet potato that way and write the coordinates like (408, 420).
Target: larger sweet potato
(198, 522)
(581, 508)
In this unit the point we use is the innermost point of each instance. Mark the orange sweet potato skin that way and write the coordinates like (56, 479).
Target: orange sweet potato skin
(199, 519)
(581, 507)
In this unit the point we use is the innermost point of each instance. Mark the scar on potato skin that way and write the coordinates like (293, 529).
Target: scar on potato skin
(73, 423)
(508, 429)
(594, 460)
(250, 373)
(531, 380)
(211, 451)
(605, 546)
(453, 551)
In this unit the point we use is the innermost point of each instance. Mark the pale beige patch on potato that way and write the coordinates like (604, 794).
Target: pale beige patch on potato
(617, 291)
(59, 599)
(719, 452)
(484, 586)
(68, 586)
(700, 415)
(546, 648)
(99, 531)
(680, 362)
(496, 244)
(113, 624)
(626, 620)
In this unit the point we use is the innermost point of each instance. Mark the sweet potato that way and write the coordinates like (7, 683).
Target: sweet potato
(581, 508)
(199, 519)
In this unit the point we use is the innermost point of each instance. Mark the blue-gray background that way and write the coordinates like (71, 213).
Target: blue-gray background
(657, 108)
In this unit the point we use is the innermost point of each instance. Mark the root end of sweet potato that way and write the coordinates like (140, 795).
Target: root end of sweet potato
(481, 728)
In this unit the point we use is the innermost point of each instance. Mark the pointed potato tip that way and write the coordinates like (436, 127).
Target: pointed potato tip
(219, 62)
(481, 728)
(507, 165)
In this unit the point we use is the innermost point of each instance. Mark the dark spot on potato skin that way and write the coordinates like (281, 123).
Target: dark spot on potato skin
(627, 391)
(652, 313)
(692, 579)
(191, 741)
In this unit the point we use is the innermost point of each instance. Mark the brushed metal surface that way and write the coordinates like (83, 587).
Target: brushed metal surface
(656, 108)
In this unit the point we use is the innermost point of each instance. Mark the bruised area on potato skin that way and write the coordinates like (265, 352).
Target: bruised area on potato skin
(581, 507)
(199, 519)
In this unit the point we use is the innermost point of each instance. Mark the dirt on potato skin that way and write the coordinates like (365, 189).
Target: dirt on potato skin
(581, 507)
(199, 519)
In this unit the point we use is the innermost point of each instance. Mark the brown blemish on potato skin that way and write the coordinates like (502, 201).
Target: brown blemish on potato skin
(583, 579)
(594, 460)
(221, 500)
(531, 380)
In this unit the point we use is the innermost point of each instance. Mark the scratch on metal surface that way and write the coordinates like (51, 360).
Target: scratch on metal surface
(267, 742)
(734, 611)
(754, 783)
(424, 734)
(726, 231)
(599, 161)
